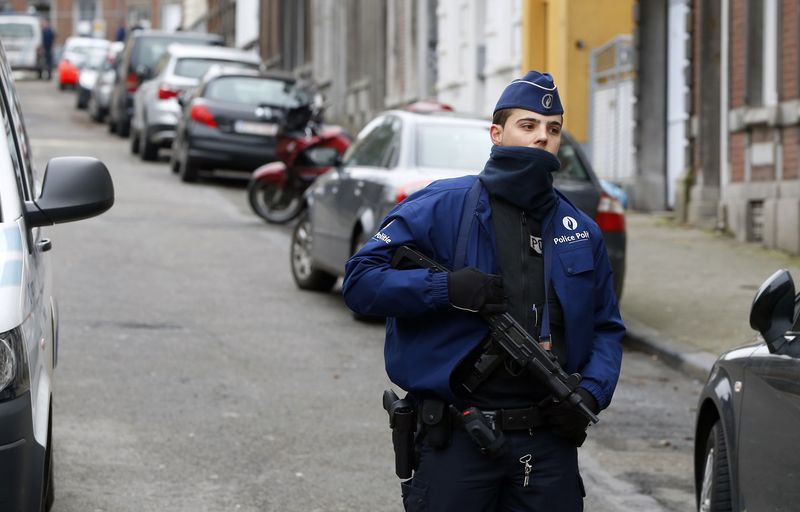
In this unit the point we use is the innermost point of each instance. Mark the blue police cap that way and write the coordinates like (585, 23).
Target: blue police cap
(535, 92)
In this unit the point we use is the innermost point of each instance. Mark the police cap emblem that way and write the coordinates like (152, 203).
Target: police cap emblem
(547, 101)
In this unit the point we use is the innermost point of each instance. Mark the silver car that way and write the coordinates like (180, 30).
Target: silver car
(155, 104)
(100, 92)
(401, 152)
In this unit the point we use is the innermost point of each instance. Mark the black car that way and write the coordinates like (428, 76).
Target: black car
(231, 120)
(748, 419)
(142, 50)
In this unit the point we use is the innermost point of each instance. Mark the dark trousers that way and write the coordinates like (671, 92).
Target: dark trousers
(459, 478)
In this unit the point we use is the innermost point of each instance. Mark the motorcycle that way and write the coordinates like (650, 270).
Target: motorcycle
(305, 149)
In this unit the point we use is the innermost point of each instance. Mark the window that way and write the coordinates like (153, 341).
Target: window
(451, 146)
(762, 52)
(571, 165)
(195, 68)
(377, 144)
(253, 91)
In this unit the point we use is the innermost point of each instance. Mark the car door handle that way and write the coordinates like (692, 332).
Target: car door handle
(44, 245)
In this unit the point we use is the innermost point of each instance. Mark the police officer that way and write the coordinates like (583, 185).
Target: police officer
(514, 244)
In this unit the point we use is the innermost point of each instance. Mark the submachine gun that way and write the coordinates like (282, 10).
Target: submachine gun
(514, 344)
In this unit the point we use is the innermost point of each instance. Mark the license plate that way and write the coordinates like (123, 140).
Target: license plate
(266, 129)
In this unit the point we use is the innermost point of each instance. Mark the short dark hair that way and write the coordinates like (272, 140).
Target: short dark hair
(501, 116)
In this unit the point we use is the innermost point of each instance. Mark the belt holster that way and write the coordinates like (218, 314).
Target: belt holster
(436, 418)
(403, 422)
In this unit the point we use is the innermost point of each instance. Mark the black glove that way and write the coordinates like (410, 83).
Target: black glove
(565, 420)
(472, 290)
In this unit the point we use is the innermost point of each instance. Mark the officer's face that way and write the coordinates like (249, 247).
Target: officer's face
(529, 129)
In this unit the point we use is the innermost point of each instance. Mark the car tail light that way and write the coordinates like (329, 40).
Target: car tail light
(132, 82)
(610, 214)
(407, 189)
(201, 114)
(166, 92)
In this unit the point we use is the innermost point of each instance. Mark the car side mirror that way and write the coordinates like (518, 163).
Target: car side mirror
(74, 188)
(181, 98)
(772, 312)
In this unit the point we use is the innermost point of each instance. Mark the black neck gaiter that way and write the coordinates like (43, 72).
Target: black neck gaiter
(522, 176)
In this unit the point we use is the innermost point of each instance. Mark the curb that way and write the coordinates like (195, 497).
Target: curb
(694, 363)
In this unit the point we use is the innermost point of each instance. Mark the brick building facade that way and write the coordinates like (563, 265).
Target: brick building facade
(743, 105)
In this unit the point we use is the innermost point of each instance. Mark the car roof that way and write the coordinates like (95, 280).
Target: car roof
(438, 117)
(144, 33)
(19, 18)
(212, 52)
(74, 41)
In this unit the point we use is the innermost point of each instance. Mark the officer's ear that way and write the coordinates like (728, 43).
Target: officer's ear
(496, 133)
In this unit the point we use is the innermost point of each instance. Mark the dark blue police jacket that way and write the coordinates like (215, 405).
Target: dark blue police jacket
(426, 338)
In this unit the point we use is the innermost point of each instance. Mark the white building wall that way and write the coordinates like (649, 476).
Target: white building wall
(479, 52)
(193, 10)
(247, 22)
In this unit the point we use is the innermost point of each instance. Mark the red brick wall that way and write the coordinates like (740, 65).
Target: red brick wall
(791, 152)
(736, 146)
(790, 33)
(738, 39)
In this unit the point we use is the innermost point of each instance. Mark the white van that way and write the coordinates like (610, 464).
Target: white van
(22, 39)
(72, 188)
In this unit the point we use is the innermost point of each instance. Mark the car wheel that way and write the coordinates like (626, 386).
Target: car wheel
(306, 277)
(112, 125)
(186, 167)
(174, 163)
(715, 488)
(147, 150)
(134, 142)
(48, 494)
(123, 127)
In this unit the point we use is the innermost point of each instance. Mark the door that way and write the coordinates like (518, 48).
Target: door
(769, 462)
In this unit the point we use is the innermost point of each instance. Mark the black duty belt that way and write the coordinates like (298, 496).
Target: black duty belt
(507, 419)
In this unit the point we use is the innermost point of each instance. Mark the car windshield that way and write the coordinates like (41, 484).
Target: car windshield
(16, 30)
(571, 166)
(253, 91)
(96, 57)
(453, 146)
(195, 68)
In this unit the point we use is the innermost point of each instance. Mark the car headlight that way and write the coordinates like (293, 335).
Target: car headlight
(13, 365)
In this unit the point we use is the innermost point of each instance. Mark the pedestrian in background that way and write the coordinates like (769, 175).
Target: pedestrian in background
(48, 37)
(120, 35)
(514, 244)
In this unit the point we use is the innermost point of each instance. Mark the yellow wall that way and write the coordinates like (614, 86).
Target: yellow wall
(551, 31)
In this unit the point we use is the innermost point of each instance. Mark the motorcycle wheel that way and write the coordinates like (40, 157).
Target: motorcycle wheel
(275, 204)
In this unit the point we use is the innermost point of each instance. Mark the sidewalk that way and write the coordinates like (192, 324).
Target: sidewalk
(688, 292)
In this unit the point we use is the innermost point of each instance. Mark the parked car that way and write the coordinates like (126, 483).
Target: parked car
(400, 152)
(77, 51)
(88, 74)
(155, 103)
(72, 188)
(748, 416)
(22, 38)
(231, 121)
(100, 94)
(142, 51)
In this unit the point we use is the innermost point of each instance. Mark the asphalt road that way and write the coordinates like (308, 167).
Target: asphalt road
(194, 376)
